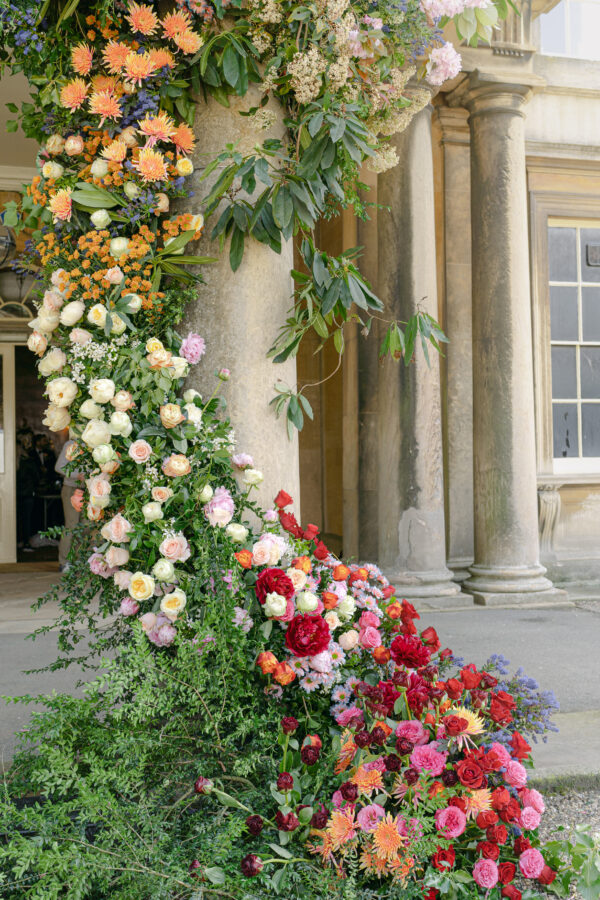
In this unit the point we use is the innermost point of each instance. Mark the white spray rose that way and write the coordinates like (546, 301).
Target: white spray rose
(163, 570)
(190, 395)
(100, 218)
(307, 602)
(103, 453)
(131, 190)
(90, 410)
(152, 511)
(118, 247)
(194, 414)
(274, 605)
(134, 303)
(52, 169)
(252, 477)
(118, 325)
(346, 607)
(97, 315)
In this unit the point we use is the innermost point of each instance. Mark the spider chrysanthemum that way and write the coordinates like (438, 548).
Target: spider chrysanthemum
(183, 138)
(477, 802)
(341, 828)
(73, 94)
(138, 66)
(151, 165)
(161, 58)
(105, 105)
(176, 22)
(115, 152)
(142, 19)
(61, 206)
(81, 59)
(157, 128)
(188, 41)
(387, 840)
(115, 56)
(367, 780)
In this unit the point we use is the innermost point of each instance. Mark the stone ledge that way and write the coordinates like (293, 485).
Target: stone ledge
(552, 597)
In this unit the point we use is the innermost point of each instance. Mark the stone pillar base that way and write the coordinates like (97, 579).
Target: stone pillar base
(426, 585)
(553, 596)
(500, 586)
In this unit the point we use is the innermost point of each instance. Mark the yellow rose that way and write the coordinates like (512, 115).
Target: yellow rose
(97, 315)
(154, 344)
(141, 587)
(184, 166)
(159, 359)
(173, 604)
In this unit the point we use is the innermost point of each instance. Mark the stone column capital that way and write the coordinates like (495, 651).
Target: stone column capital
(486, 93)
(454, 124)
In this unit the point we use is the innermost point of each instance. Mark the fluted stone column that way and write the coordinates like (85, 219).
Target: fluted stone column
(412, 539)
(239, 314)
(506, 567)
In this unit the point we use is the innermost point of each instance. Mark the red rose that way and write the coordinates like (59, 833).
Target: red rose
(488, 850)
(520, 747)
(511, 812)
(430, 638)
(388, 591)
(522, 844)
(321, 552)
(431, 894)
(307, 635)
(459, 802)
(288, 822)
(471, 774)
(497, 834)
(506, 872)
(310, 532)
(454, 725)
(407, 628)
(443, 859)
(409, 651)
(454, 688)
(282, 499)
(289, 523)
(500, 713)
(547, 875)
(408, 611)
(492, 761)
(511, 892)
(486, 818)
(488, 681)
(500, 798)
(470, 677)
(505, 698)
(273, 581)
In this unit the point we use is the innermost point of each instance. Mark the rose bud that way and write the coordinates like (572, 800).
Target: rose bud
(254, 824)
(429, 673)
(393, 763)
(349, 791)
(203, 785)
(449, 777)
(195, 864)
(362, 739)
(251, 865)
(289, 724)
(309, 755)
(400, 678)
(378, 736)
(285, 782)
(411, 776)
(404, 746)
(488, 681)
(319, 819)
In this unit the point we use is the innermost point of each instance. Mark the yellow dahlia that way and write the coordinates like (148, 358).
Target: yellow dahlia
(81, 59)
(61, 206)
(184, 138)
(105, 105)
(115, 152)
(115, 56)
(477, 801)
(188, 41)
(151, 165)
(341, 828)
(176, 22)
(367, 780)
(138, 66)
(387, 840)
(157, 128)
(73, 94)
(142, 18)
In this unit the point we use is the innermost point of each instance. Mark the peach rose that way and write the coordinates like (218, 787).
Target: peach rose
(94, 513)
(53, 300)
(161, 493)
(77, 499)
(114, 275)
(117, 530)
(176, 465)
(74, 145)
(116, 556)
(123, 401)
(80, 336)
(159, 359)
(297, 577)
(171, 415)
(37, 343)
(175, 547)
(122, 579)
(99, 486)
(140, 451)
(261, 553)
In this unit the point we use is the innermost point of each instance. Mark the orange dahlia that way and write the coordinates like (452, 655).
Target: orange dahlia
(115, 152)
(105, 105)
(347, 752)
(176, 22)
(341, 828)
(115, 56)
(81, 59)
(142, 18)
(61, 206)
(183, 138)
(157, 128)
(151, 165)
(373, 864)
(161, 59)
(367, 780)
(138, 66)
(387, 840)
(73, 94)
(188, 41)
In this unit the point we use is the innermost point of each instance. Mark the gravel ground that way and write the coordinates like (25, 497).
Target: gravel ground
(571, 807)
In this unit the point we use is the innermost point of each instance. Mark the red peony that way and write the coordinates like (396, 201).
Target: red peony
(520, 747)
(443, 859)
(409, 651)
(307, 635)
(471, 774)
(506, 872)
(273, 581)
(500, 799)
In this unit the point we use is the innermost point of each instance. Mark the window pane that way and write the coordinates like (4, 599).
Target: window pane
(562, 254)
(590, 372)
(554, 30)
(590, 252)
(585, 25)
(590, 429)
(564, 377)
(590, 309)
(563, 313)
(564, 420)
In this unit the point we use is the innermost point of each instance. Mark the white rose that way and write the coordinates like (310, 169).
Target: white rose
(62, 391)
(163, 570)
(80, 336)
(120, 423)
(190, 395)
(236, 532)
(55, 144)
(252, 477)
(205, 494)
(47, 320)
(52, 169)
(297, 577)
(134, 303)
(152, 511)
(96, 432)
(99, 502)
(197, 222)
(118, 247)
(174, 603)
(179, 367)
(194, 414)
(118, 325)
(99, 168)
(102, 389)
(97, 315)
(306, 601)
(56, 418)
(90, 410)
(103, 453)
(346, 607)
(72, 312)
(100, 218)
(131, 190)
(53, 361)
(274, 605)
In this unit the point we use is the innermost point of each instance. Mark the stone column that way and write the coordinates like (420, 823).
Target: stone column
(239, 314)
(412, 537)
(506, 567)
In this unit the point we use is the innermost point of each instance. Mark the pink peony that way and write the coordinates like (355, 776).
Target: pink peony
(129, 607)
(533, 798)
(414, 731)
(99, 566)
(192, 348)
(451, 821)
(369, 816)
(529, 818)
(242, 461)
(428, 757)
(140, 451)
(219, 511)
(516, 774)
(175, 547)
(531, 863)
(485, 873)
(444, 63)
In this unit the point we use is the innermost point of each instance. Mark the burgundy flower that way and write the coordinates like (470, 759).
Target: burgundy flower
(309, 755)
(404, 746)
(392, 762)
(411, 776)
(362, 739)
(251, 865)
(307, 635)
(417, 694)
(320, 817)
(273, 581)
(289, 724)
(378, 736)
(409, 651)
(349, 791)
(449, 777)
(195, 864)
(254, 824)
(285, 782)
(288, 822)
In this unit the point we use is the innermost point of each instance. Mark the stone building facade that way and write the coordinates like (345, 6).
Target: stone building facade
(474, 475)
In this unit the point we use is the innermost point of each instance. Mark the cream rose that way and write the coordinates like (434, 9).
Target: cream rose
(37, 343)
(205, 494)
(162, 203)
(116, 556)
(55, 144)
(71, 313)
(261, 553)
(163, 570)
(90, 410)
(140, 451)
(306, 601)
(174, 603)
(80, 336)
(274, 605)
(152, 511)
(171, 415)
(176, 465)
(194, 414)
(252, 477)
(141, 587)
(120, 423)
(52, 169)
(236, 532)
(348, 640)
(184, 166)
(117, 530)
(131, 190)
(123, 401)
(297, 577)
(153, 344)
(159, 359)
(102, 389)
(114, 275)
(134, 303)
(52, 301)
(62, 391)
(97, 315)
(93, 512)
(118, 324)
(175, 548)
(52, 362)
(99, 168)
(74, 145)
(56, 418)
(111, 466)
(47, 320)
(118, 247)
(161, 494)
(128, 136)
(98, 485)
(102, 454)
(179, 367)
(96, 432)
(332, 619)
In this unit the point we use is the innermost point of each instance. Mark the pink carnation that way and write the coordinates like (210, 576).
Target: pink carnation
(485, 873)
(414, 731)
(451, 821)
(531, 863)
(516, 774)
(369, 816)
(192, 348)
(529, 818)
(502, 753)
(533, 798)
(428, 757)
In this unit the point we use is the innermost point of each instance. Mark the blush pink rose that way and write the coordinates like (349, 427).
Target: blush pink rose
(148, 621)
(529, 818)
(353, 716)
(192, 348)
(242, 461)
(414, 731)
(122, 579)
(117, 530)
(429, 758)
(485, 873)
(451, 821)
(129, 606)
(531, 863)
(140, 451)
(516, 774)
(175, 547)
(369, 816)
(114, 275)
(502, 754)
(219, 511)
(533, 798)
(116, 556)
(370, 638)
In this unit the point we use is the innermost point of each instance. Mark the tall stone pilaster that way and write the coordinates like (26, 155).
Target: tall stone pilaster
(506, 567)
(239, 314)
(412, 539)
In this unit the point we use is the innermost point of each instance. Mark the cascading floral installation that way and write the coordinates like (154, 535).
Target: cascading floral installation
(417, 778)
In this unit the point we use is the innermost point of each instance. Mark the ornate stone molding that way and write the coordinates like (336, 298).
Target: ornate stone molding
(549, 504)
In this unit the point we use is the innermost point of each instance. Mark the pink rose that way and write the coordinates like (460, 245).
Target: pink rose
(129, 607)
(116, 556)
(175, 547)
(429, 758)
(414, 731)
(148, 621)
(533, 798)
(485, 873)
(99, 566)
(353, 717)
(451, 821)
(529, 818)
(502, 754)
(370, 638)
(531, 863)
(53, 300)
(161, 493)
(117, 530)
(114, 275)
(122, 579)
(369, 619)
(369, 816)
(140, 451)
(192, 348)
(516, 774)
(219, 511)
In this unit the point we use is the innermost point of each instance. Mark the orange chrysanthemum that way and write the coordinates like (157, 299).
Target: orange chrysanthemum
(138, 66)
(106, 83)
(477, 801)
(347, 753)
(176, 22)
(81, 59)
(183, 138)
(151, 165)
(161, 58)
(367, 780)
(188, 41)
(373, 864)
(157, 128)
(105, 105)
(341, 828)
(401, 866)
(115, 56)
(115, 152)
(73, 94)
(61, 206)
(142, 18)
(387, 840)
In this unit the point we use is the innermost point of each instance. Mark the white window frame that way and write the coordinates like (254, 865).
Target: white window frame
(568, 54)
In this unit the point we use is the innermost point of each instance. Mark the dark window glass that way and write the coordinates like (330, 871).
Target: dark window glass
(590, 313)
(591, 237)
(563, 313)
(564, 375)
(562, 254)
(590, 372)
(590, 429)
(564, 421)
